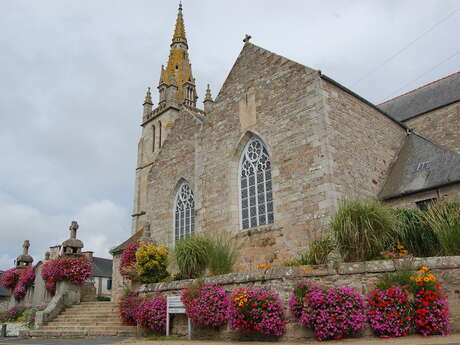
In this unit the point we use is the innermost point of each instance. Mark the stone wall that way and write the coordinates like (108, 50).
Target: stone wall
(446, 193)
(362, 276)
(442, 126)
(362, 143)
(277, 100)
(4, 303)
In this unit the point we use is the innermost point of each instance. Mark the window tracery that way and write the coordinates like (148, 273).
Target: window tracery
(256, 185)
(184, 213)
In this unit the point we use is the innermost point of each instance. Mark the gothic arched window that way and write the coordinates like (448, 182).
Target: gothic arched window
(256, 185)
(184, 212)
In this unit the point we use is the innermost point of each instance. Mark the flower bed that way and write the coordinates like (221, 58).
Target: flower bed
(332, 313)
(390, 312)
(10, 278)
(74, 270)
(129, 306)
(205, 304)
(26, 280)
(128, 261)
(252, 310)
(431, 307)
(151, 314)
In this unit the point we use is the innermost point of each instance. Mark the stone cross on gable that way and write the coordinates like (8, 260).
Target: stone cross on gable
(25, 247)
(73, 229)
(247, 38)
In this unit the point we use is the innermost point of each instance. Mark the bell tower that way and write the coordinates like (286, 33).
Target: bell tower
(176, 89)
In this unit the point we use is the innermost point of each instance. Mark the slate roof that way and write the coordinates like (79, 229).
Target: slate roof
(134, 238)
(431, 96)
(408, 175)
(102, 267)
(4, 292)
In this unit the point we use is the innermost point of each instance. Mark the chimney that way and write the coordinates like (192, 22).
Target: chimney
(88, 255)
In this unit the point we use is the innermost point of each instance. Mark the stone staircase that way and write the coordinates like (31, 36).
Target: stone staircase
(86, 319)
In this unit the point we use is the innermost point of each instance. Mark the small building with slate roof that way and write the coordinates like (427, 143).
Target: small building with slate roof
(102, 274)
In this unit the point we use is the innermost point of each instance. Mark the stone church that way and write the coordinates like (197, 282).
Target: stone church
(272, 155)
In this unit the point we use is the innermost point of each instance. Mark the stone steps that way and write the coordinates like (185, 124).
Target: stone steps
(86, 319)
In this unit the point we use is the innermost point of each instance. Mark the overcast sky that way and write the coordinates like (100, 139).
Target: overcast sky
(73, 76)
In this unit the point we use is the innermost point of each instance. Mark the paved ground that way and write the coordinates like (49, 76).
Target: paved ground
(412, 340)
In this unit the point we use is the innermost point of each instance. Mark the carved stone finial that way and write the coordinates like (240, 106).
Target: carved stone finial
(25, 247)
(73, 229)
(208, 96)
(148, 97)
(72, 246)
(247, 38)
(25, 259)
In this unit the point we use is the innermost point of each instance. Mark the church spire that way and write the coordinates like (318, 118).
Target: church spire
(178, 71)
(179, 32)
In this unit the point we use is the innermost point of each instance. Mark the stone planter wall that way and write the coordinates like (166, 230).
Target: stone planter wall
(360, 275)
(13, 328)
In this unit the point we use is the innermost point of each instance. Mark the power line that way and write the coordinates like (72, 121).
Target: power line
(423, 74)
(405, 47)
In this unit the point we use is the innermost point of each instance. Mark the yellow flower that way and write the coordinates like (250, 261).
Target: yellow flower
(418, 279)
(422, 272)
(425, 268)
(400, 246)
(412, 278)
(426, 279)
(431, 277)
(263, 266)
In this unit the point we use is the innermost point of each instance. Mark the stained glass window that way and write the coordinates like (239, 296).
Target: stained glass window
(184, 214)
(256, 185)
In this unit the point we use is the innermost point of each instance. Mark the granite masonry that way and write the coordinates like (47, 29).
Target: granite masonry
(269, 160)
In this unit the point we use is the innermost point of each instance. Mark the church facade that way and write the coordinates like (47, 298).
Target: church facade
(271, 157)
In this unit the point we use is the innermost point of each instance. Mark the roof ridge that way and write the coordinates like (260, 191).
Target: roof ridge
(420, 87)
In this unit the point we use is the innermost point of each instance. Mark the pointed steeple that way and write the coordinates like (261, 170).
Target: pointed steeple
(208, 100)
(178, 71)
(148, 97)
(208, 96)
(179, 32)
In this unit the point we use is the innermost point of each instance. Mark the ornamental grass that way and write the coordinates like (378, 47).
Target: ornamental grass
(205, 304)
(363, 229)
(444, 219)
(317, 253)
(192, 256)
(332, 313)
(416, 235)
(256, 310)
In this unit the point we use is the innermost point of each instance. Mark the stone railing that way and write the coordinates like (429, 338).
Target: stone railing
(362, 276)
(67, 294)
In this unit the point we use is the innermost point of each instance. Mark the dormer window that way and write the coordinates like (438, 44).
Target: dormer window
(423, 165)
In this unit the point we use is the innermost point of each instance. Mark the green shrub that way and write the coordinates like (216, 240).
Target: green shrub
(192, 256)
(400, 278)
(444, 219)
(221, 254)
(151, 263)
(363, 229)
(316, 255)
(416, 235)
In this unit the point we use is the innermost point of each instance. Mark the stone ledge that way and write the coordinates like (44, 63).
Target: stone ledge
(299, 272)
(257, 230)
